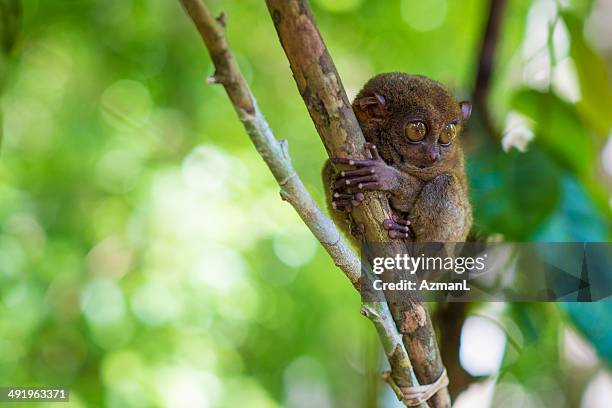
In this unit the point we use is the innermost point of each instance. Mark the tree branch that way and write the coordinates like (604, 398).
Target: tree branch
(449, 319)
(486, 58)
(276, 156)
(321, 89)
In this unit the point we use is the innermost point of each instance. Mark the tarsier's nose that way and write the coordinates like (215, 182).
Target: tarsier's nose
(433, 155)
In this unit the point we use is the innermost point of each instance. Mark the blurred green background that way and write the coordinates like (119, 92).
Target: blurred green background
(146, 259)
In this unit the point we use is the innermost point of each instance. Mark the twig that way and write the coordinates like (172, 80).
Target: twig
(321, 89)
(276, 156)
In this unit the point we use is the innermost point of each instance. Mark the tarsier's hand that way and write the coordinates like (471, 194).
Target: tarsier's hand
(345, 201)
(368, 174)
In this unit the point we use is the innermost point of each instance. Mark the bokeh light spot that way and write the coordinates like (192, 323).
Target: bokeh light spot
(305, 384)
(598, 393)
(111, 258)
(118, 171)
(339, 6)
(482, 346)
(156, 302)
(188, 388)
(424, 15)
(102, 301)
(296, 249)
(126, 104)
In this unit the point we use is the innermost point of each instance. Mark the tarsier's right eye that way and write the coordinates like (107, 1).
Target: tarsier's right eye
(416, 131)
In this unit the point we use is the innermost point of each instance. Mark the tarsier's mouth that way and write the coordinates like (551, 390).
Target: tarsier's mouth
(421, 165)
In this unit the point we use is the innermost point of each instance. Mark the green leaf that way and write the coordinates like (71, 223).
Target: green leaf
(539, 351)
(513, 193)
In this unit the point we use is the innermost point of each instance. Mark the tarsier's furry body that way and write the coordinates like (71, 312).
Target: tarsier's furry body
(411, 124)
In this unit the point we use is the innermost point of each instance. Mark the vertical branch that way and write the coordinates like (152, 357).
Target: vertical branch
(449, 319)
(276, 156)
(321, 89)
(486, 60)
(10, 24)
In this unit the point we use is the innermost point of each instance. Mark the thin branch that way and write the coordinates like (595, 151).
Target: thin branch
(486, 60)
(272, 151)
(276, 156)
(321, 89)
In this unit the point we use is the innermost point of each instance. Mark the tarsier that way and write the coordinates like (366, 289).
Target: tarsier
(411, 124)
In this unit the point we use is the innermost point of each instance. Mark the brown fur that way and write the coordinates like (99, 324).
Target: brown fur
(433, 196)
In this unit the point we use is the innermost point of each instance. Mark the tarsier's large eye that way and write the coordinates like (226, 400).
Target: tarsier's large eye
(416, 131)
(448, 134)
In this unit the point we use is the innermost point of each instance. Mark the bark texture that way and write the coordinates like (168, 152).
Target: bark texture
(321, 89)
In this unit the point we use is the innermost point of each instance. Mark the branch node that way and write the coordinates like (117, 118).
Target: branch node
(284, 181)
(213, 79)
(222, 20)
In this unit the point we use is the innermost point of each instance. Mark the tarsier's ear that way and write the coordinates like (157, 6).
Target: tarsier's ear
(373, 107)
(466, 109)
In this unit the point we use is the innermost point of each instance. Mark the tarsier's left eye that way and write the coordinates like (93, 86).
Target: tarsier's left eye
(416, 131)
(448, 134)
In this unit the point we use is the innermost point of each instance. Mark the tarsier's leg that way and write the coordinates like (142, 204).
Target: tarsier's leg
(442, 212)
(398, 227)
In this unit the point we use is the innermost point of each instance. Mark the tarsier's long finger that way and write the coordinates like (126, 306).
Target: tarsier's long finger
(352, 162)
(369, 186)
(373, 151)
(364, 171)
(359, 187)
(397, 230)
(340, 194)
(349, 205)
(395, 234)
(402, 221)
(342, 205)
(341, 182)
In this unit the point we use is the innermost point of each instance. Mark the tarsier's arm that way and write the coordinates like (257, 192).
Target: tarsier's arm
(345, 189)
(437, 210)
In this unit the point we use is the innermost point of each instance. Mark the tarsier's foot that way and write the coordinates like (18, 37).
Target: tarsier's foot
(366, 174)
(357, 230)
(344, 201)
(398, 229)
